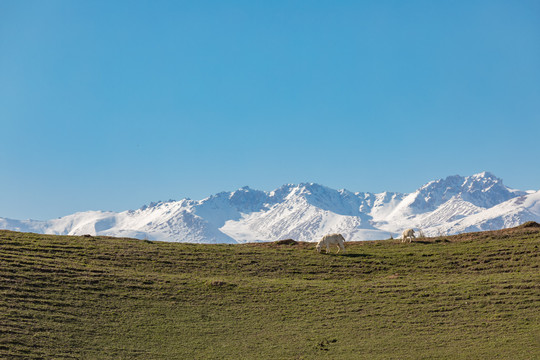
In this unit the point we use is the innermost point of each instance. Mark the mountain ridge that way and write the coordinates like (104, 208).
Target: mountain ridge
(307, 211)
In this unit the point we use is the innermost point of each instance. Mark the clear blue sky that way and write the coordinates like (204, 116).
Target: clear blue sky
(108, 105)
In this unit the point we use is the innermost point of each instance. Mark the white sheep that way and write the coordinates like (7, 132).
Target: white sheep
(332, 239)
(408, 234)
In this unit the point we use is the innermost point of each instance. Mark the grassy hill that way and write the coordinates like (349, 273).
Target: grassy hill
(474, 296)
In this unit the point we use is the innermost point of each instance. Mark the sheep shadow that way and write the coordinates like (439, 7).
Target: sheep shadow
(355, 255)
(430, 242)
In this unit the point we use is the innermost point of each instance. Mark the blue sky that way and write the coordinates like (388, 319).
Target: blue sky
(108, 105)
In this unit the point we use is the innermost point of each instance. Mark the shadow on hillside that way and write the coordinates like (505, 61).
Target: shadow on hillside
(431, 241)
(355, 255)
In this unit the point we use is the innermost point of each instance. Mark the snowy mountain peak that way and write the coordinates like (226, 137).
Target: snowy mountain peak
(483, 180)
(306, 211)
(485, 174)
(156, 203)
(482, 190)
(313, 189)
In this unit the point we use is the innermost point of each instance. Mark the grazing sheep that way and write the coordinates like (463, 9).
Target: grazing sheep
(332, 239)
(408, 234)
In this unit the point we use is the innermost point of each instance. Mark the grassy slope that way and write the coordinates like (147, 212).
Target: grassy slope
(475, 296)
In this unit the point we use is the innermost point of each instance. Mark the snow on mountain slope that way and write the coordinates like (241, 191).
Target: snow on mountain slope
(170, 221)
(446, 200)
(78, 223)
(508, 214)
(296, 217)
(482, 190)
(308, 211)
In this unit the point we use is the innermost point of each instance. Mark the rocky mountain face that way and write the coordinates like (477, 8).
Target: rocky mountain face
(307, 211)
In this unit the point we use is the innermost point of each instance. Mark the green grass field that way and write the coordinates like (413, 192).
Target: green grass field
(474, 296)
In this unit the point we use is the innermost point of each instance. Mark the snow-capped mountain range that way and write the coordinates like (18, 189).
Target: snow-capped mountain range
(307, 211)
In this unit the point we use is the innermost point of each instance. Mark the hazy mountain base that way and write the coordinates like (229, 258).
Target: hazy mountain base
(475, 296)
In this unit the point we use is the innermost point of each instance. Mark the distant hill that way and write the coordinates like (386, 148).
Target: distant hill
(469, 296)
(307, 211)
